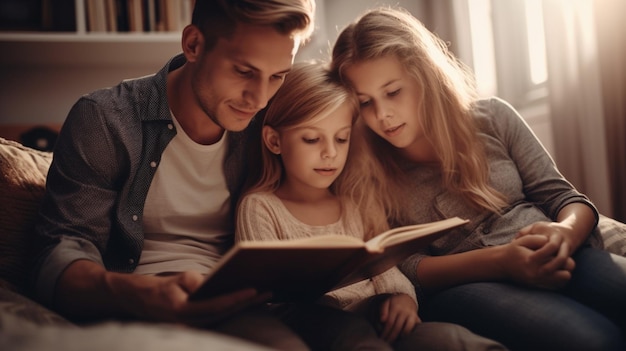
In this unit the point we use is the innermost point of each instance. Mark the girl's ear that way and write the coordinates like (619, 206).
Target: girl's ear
(271, 138)
(192, 43)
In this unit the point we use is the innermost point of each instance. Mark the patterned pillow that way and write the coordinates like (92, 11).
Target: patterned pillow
(22, 183)
(613, 235)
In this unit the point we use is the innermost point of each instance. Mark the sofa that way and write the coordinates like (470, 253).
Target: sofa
(27, 325)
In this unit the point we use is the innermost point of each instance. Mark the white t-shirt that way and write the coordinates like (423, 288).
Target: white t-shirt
(187, 208)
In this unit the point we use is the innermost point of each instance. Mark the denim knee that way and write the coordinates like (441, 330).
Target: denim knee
(525, 318)
(438, 336)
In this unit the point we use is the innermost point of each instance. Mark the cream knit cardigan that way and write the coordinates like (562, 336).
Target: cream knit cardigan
(263, 216)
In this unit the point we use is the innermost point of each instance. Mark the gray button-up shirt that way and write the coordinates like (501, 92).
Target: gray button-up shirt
(105, 158)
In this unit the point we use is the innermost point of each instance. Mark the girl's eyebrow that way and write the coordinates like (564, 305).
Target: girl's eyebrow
(318, 129)
(382, 86)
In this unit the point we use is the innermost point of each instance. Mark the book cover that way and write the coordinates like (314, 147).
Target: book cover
(304, 269)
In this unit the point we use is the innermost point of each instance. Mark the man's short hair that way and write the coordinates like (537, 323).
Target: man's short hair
(219, 18)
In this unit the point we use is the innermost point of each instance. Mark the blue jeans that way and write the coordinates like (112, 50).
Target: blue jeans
(588, 314)
(325, 328)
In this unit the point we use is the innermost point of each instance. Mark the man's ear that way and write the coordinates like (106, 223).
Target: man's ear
(192, 42)
(271, 139)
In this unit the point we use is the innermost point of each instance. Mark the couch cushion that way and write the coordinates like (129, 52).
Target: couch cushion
(613, 235)
(27, 310)
(22, 183)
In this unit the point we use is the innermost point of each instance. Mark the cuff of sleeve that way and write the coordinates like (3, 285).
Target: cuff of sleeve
(69, 250)
(409, 268)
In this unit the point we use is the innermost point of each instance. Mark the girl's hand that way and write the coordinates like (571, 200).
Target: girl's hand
(535, 260)
(558, 249)
(398, 315)
(557, 234)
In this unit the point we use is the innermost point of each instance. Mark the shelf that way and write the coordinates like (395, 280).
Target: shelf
(89, 37)
(87, 49)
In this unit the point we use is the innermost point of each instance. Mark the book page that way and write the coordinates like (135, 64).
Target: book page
(321, 241)
(406, 233)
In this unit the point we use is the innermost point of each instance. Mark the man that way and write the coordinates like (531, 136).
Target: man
(145, 175)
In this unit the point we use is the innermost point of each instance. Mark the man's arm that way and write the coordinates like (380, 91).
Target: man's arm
(86, 291)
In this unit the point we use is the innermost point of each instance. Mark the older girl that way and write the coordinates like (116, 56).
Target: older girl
(525, 271)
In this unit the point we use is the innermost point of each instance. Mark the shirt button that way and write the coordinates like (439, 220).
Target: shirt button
(131, 261)
(153, 164)
(486, 230)
(170, 126)
(135, 218)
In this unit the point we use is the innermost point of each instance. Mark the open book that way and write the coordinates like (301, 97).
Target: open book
(304, 269)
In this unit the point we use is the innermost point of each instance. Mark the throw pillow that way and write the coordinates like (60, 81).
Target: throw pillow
(22, 184)
(613, 235)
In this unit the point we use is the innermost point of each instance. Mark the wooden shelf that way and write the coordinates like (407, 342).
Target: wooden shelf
(87, 49)
(88, 37)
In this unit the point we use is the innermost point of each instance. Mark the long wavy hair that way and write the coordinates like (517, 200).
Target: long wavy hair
(446, 98)
(308, 95)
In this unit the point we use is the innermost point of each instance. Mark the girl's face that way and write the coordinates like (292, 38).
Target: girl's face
(388, 99)
(314, 155)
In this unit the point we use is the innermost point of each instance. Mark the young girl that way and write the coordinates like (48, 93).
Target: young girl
(302, 191)
(525, 271)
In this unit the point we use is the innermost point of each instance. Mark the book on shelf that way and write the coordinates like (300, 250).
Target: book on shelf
(58, 15)
(304, 269)
(96, 15)
(37, 15)
(137, 15)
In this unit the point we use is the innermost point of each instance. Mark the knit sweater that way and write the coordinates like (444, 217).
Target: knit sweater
(263, 216)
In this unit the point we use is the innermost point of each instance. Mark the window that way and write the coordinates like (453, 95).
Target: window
(508, 49)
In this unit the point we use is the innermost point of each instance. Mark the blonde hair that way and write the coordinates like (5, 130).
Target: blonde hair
(308, 95)
(446, 97)
(219, 18)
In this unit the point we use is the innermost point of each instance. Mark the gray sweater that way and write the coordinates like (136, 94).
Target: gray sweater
(520, 168)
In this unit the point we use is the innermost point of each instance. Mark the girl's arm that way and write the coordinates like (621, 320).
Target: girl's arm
(519, 261)
(394, 281)
(573, 214)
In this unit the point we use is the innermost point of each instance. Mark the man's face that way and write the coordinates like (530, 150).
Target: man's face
(235, 79)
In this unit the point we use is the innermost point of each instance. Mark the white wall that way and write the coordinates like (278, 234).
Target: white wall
(41, 78)
(334, 15)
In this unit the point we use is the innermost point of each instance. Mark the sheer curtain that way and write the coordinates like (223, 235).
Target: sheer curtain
(586, 97)
(611, 33)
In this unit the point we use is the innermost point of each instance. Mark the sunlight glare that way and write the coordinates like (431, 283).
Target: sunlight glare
(536, 41)
(482, 46)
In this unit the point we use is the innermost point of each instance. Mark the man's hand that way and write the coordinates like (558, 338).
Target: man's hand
(166, 299)
(87, 291)
(398, 315)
